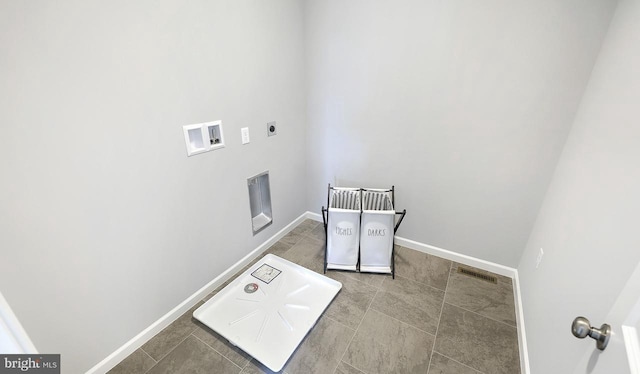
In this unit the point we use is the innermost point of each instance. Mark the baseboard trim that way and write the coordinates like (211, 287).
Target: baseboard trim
(457, 257)
(478, 263)
(313, 216)
(522, 335)
(136, 342)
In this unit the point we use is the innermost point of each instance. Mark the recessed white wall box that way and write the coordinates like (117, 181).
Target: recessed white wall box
(245, 135)
(203, 137)
(260, 201)
(271, 128)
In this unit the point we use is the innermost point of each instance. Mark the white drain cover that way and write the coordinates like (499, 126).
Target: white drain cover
(269, 309)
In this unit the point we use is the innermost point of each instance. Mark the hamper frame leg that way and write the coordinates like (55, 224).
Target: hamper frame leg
(326, 238)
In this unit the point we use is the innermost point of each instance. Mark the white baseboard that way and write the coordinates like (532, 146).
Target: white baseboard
(480, 264)
(313, 216)
(457, 257)
(136, 342)
(522, 335)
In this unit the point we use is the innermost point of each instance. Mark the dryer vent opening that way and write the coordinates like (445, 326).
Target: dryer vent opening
(260, 201)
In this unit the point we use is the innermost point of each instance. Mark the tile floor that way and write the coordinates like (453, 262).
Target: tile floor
(430, 319)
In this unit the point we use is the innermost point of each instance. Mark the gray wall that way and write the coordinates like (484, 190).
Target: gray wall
(105, 224)
(463, 105)
(588, 223)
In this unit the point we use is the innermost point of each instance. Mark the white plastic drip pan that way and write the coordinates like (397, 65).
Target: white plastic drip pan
(269, 309)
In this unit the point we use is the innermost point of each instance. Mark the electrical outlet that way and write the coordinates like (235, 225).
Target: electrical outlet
(271, 128)
(539, 259)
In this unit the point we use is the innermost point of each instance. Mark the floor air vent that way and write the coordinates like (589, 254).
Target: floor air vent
(475, 274)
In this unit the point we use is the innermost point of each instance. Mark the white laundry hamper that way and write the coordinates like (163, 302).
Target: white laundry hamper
(377, 231)
(343, 228)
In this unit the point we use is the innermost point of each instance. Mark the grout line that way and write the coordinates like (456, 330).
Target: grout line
(350, 275)
(220, 353)
(350, 365)
(310, 231)
(154, 360)
(246, 363)
(356, 332)
(145, 352)
(424, 284)
(403, 322)
(348, 344)
(465, 365)
(370, 303)
(483, 316)
(392, 317)
(174, 348)
(430, 255)
(338, 322)
(433, 347)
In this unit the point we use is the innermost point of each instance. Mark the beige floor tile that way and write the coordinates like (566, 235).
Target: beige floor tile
(256, 367)
(422, 267)
(221, 345)
(167, 339)
(291, 238)
(136, 363)
(318, 233)
(444, 365)
(372, 279)
(385, 345)
(352, 301)
(279, 248)
(193, 356)
(410, 302)
(307, 252)
(306, 226)
(476, 341)
(346, 369)
(321, 351)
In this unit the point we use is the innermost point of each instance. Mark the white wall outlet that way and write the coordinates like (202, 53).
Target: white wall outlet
(539, 258)
(203, 137)
(271, 128)
(245, 135)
